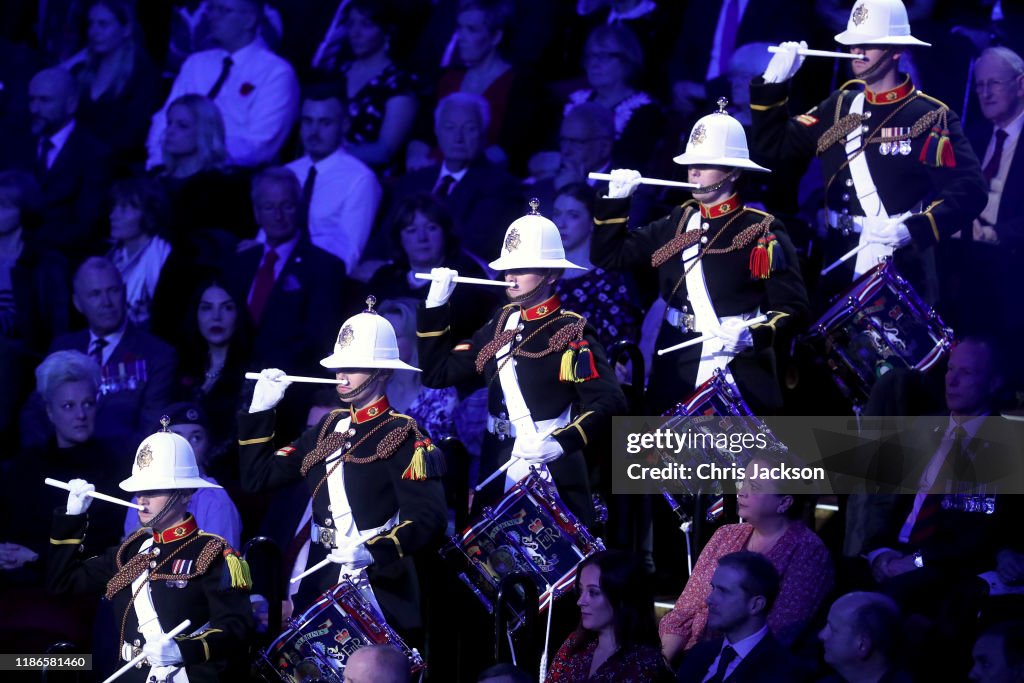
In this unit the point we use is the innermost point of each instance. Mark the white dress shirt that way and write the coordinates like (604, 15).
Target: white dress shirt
(259, 101)
(112, 339)
(995, 188)
(58, 140)
(346, 195)
(742, 648)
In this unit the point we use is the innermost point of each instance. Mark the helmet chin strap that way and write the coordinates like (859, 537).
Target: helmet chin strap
(157, 523)
(354, 393)
(528, 296)
(882, 60)
(715, 187)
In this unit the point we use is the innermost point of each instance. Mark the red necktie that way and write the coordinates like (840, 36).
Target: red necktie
(262, 285)
(992, 167)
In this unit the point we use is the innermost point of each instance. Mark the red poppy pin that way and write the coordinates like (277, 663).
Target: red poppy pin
(246, 88)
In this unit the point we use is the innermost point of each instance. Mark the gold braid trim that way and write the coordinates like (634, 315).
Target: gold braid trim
(326, 443)
(847, 124)
(207, 555)
(744, 237)
(681, 241)
(347, 457)
(839, 130)
(556, 343)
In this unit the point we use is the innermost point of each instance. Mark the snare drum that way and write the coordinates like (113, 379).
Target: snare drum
(530, 532)
(879, 325)
(317, 644)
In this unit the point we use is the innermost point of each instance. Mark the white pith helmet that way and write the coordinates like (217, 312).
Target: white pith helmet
(532, 241)
(718, 140)
(878, 22)
(163, 461)
(366, 340)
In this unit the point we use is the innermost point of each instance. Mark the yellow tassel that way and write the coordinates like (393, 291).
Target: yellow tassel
(568, 361)
(239, 571)
(417, 469)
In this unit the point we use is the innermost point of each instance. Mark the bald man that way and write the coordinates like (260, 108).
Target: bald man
(377, 664)
(860, 639)
(71, 165)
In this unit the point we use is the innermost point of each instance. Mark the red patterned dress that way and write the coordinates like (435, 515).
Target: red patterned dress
(638, 663)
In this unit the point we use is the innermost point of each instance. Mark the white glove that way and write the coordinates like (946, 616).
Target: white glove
(79, 499)
(536, 449)
(623, 183)
(892, 233)
(734, 336)
(163, 652)
(354, 557)
(269, 391)
(785, 63)
(441, 286)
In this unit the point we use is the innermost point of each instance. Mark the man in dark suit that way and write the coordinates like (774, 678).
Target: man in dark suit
(482, 198)
(71, 165)
(743, 589)
(862, 639)
(137, 369)
(294, 290)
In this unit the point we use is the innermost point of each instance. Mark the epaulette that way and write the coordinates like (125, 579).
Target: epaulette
(577, 358)
(427, 459)
(681, 240)
(933, 100)
(763, 213)
(237, 575)
(852, 82)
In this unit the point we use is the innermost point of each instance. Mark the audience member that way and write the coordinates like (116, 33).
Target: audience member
(256, 91)
(190, 31)
(212, 507)
(340, 193)
(120, 89)
(137, 369)
(613, 60)
(742, 593)
(423, 238)
(205, 192)
(999, 654)
(481, 197)
(381, 96)
(377, 664)
(862, 640)
(616, 638)
(772, 528)
(504, 673)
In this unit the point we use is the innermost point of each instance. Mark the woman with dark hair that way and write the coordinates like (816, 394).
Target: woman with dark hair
(381, 97)
(423, 238)
(137, 221)
(617, 639)
(120, 85)
(771, 526)
(613, 60)
(213, 356)
(605, 298)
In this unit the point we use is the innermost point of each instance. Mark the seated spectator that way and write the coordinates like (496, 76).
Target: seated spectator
(999, 654)
(256, 91)
(771, 528)
(214, 356)
(862, 639)
(381, 96)
(423, 237)
(120, 89)
(743, 590)
(481, 197)
(137, 369)
(504, 673)
(377, 664)
(585, 141)
(34, 296)
(190, 32)
(340, 193)
(604, 298)
(140, 252)
(433, 409)
(204, 191)
(613, 60)
(212, 507)
(616, 638)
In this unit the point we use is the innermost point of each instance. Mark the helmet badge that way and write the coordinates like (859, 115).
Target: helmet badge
(512, 240)
(145, 457)
(698, 135)
(860, 14)
(345, 337)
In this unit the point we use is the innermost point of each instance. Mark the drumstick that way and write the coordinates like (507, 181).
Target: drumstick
(806, 52)
(508, 463)
(139, 657)
(315, 568)
(648, 181)
(94, 494)
(470, 280)
(704, 337)
(298, 378)
(845, 257)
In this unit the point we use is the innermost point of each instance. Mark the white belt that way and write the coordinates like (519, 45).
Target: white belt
(684, 321)
(504, 429)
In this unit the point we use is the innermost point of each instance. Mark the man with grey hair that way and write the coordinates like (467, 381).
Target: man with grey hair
(294, 289)
(377, 664)
(481, 196)
(137, 369)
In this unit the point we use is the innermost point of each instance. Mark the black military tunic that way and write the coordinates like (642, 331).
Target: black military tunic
(903, 156)
(193, 575)
(726, 227)
(378, 449)
(539, 370)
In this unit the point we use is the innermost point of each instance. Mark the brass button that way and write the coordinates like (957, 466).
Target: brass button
(328, 522)
(846, 197)
(704, 239)
(519, 337)
(330, 509)
(156, 551)
(705, 226)
(152, 564)
(849, 182)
